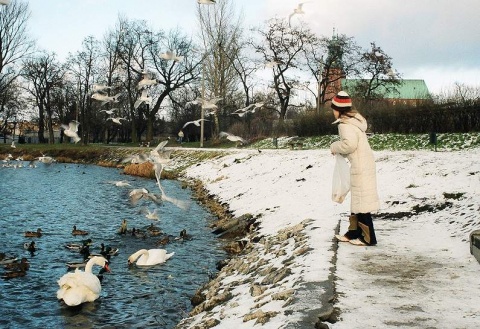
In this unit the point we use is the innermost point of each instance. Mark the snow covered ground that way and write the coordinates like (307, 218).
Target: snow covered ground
(420, 275)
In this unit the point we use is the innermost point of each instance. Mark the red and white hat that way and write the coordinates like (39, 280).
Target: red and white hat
(341, 101)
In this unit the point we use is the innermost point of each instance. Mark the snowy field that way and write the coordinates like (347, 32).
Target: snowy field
(420, 275)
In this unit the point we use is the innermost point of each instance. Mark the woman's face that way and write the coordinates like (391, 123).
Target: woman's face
(336, 114)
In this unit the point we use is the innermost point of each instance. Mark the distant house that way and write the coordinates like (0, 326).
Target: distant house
(411, 92)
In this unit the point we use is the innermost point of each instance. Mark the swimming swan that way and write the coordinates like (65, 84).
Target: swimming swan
(80, 287)
(149, 257)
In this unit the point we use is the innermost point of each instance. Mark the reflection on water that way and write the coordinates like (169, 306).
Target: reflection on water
(56, 197)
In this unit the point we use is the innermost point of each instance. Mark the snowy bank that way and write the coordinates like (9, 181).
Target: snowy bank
(293, 274)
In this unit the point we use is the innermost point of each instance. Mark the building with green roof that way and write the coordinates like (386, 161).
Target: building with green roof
(412, 92)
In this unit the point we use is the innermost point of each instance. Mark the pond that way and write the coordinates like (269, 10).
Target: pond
(56, 197)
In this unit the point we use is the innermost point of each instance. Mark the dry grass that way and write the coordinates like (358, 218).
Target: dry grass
(143, 170)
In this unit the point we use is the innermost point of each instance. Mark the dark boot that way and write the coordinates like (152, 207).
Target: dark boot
(367, 230)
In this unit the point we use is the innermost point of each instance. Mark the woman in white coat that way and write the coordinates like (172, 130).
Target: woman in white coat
(354, 145)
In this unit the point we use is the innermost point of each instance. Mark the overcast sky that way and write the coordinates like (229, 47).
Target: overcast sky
(434, 40)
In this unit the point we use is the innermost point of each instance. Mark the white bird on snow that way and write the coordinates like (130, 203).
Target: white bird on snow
(171, 55)
(195, 122)
(144, 98)
(116, 120)
(71, 130)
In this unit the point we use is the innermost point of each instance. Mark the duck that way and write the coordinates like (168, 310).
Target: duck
(78, 232)
(30, 246)
(4, 259)
(22, 266)
(13, 274)
(184, 235)
(33, 234)
(81, 286)
(150, 257)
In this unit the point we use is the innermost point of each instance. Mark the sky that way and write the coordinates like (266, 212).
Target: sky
(420, 275)
(433, 40)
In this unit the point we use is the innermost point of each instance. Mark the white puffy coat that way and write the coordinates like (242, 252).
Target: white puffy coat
(354, 144)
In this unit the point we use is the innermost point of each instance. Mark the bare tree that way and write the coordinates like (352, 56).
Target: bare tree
(43, 73)
(283, 47)
(15, 45)
(220, 32)
(84, 68)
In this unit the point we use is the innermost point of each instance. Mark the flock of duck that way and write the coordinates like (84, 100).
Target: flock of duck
(82, 285)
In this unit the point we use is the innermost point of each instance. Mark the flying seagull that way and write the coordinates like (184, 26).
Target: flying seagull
(232, 138)
(109, 112)
(146, 81)
(171, 55)
(71, 130)
(206, 2)
(195, 122)
(297, 10)
(106, 99)
(116, 120)
(100, 88)
(144, 98)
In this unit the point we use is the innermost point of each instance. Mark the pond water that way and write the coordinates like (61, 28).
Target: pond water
(54, 198)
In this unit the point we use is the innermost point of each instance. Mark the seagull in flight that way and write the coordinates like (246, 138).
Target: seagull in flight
(46, 159)
(106, 99)
(138, 193)
(146, 81)
(232, 138)
(195, 122)
(144, 98)
(207, 104)
(120, 183)
(116, 120)
(100, 88)
(71, 130)
(206, 2)
(298, 10)
(109, 112)
(171, 55)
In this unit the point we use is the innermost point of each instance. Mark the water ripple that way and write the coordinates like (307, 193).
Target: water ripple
(56, 197)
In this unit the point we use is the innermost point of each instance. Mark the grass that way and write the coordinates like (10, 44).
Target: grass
(110, 154)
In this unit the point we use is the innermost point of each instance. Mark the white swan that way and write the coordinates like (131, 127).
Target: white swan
(80, 287)
(149, 257)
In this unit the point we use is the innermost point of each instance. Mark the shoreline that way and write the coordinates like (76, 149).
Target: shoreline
(289, 271)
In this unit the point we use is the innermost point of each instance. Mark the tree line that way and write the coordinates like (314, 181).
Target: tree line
(222, 61)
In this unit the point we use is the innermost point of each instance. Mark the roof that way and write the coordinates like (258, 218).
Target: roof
(409, 89)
